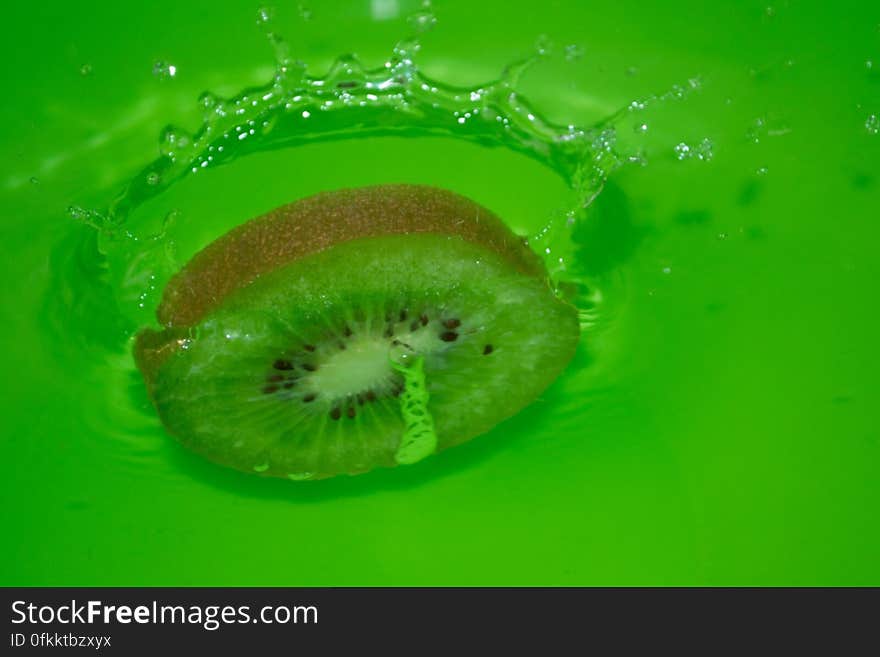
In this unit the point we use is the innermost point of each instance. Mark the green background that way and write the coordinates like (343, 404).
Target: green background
(719, 426)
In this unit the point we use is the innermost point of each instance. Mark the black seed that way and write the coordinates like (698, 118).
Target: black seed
(347, 85)
(268, 390)
(449, 336)
(309, 347)
(308, 367)
(403, 315)
(452, 323)
(336, 413)
(350, 412)
(288, 385)
(282, 364)
(371, 396)
(487, 349)
(275, 378)
(347, 332)
(424, 320)
(309, 397)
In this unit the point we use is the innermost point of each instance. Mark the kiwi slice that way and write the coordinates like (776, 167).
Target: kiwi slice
(353, 330)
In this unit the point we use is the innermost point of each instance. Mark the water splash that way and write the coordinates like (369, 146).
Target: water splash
(298, 107)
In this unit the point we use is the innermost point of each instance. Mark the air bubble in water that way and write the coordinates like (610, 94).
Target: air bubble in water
(153, 178)
(682, 151)
(703, 151)
(163, 70)
(872, 124)
(573, 52)
(85, 69)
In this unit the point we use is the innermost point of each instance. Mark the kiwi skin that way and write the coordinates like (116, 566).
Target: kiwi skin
(311, 225)
(318, 222)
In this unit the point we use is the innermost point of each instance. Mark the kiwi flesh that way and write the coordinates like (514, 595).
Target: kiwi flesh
(375, 348)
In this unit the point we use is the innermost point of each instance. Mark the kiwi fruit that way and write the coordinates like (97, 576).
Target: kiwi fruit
(351, 330)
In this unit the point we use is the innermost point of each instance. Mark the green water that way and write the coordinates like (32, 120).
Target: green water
(717, 424)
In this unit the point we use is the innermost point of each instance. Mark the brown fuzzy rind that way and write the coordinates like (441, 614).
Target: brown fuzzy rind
(318, 222)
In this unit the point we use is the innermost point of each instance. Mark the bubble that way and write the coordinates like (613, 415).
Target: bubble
(172, 141)
(682, 151)
(89, 217)
(34, 180)
(573, 52)
(703, 151)
(641, 127)
(667, 270)
(163, 70)
(85, 70)
(761, 171)
(423, 21)
(632, 71)
(872, 124)
(153, 178)
(869, 64)
(723, 236)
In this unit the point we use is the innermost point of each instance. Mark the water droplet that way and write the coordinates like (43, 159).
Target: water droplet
(705, 150)
(631, 71)
(265, 15)
(85, 69)
(722, 236)
(682, 151)
(573, 52)
(667, 270)
(543, 45)
(770, 12)
(163, 70)
(761, 171)
(423, 21)
(641, 127)
(208, 100)
(153, 178)
(872, 124)
(172, 141)
(869, 64)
